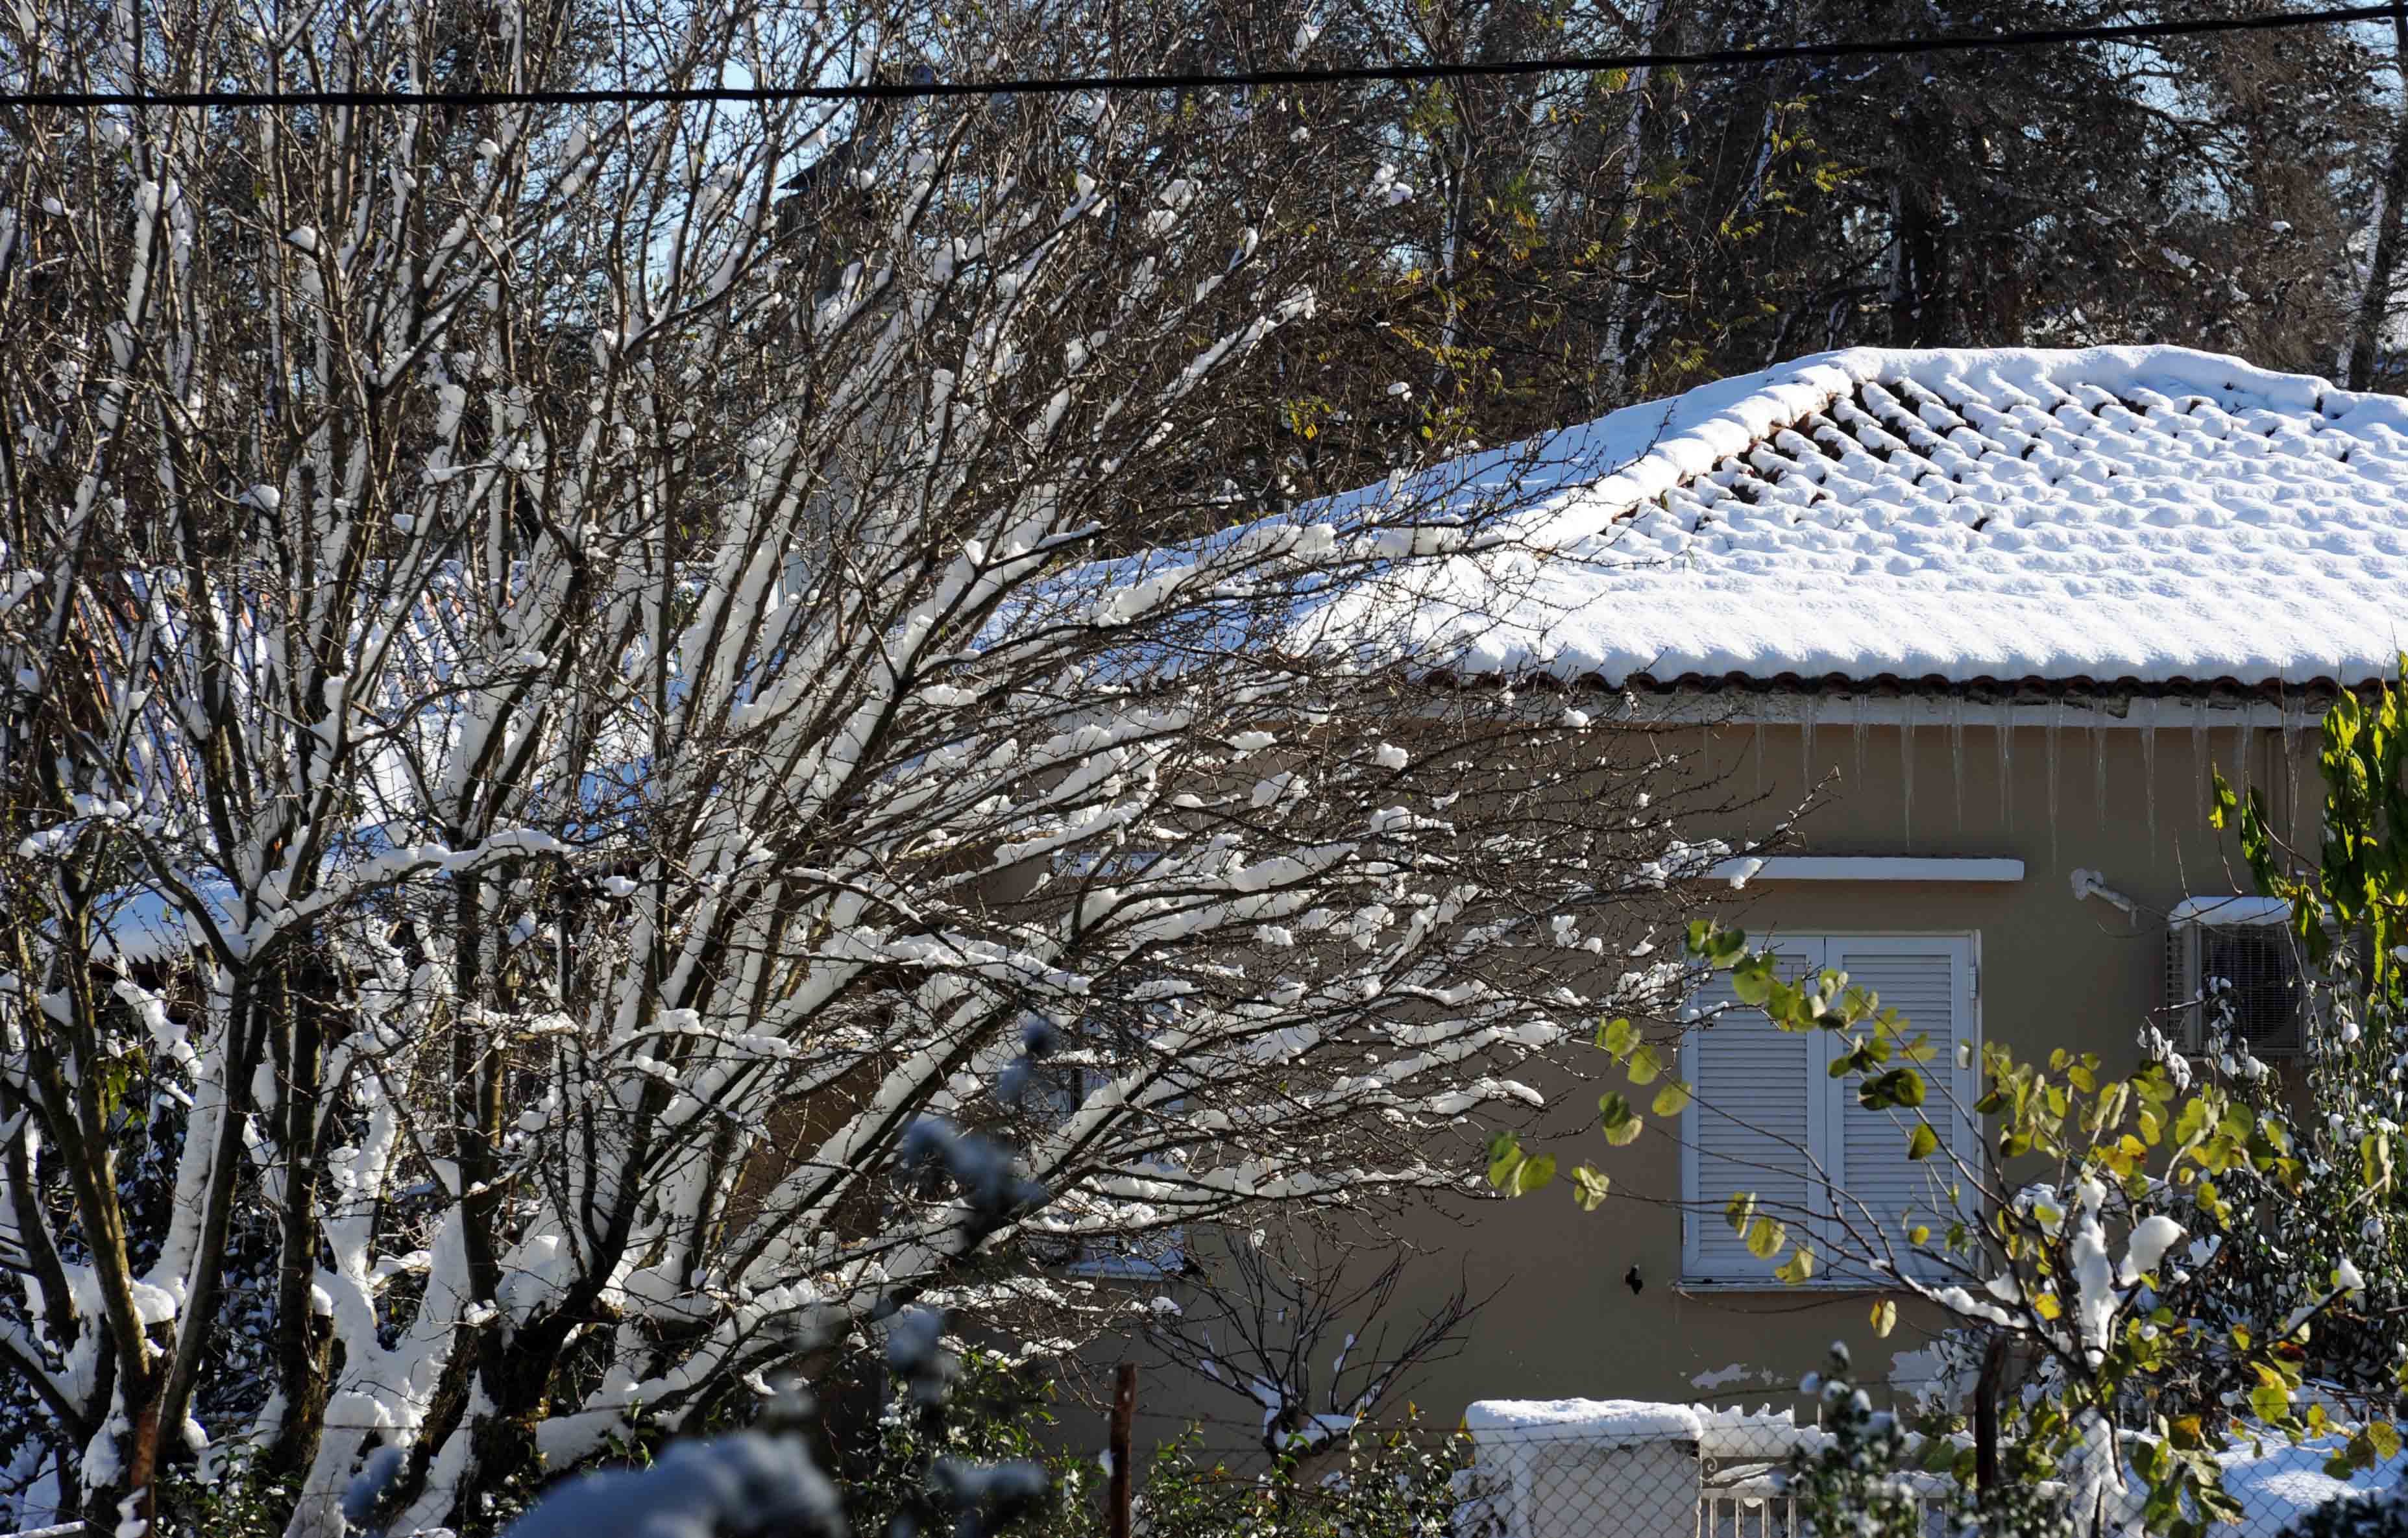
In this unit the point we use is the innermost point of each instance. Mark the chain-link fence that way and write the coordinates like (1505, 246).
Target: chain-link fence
(1578, 1469)
(1620, 1470)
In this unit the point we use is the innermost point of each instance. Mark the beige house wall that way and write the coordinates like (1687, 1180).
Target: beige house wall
(2054, 971)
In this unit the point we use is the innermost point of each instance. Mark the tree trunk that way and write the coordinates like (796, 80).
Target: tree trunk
(2374, 302)
(1985, 1414)
(141, 1467)
(301, 1341)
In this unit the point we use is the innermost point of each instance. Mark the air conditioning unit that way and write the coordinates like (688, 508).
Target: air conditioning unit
(2237, 950)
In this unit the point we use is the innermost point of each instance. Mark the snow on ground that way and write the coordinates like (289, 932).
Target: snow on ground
(2281, 1483)
(2104, 513)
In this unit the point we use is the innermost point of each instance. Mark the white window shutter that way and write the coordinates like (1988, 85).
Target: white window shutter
(1758, 1104)
(1928, 979)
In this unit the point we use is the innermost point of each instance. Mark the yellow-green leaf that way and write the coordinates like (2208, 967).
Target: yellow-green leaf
(1645, 1064)
(1621, 1123)
(1533, 1175)
(1752, 979)
(1673, 1098)
(1800, 1267)
(1923, 1141)
(1589, 1188)
(1765, 1238)
(1504, 1156)
(1617, 1036)
(1741, 1212)
(2271, 1402)
(1884, 1317)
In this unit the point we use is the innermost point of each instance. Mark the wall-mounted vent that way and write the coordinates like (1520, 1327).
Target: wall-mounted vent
(2237, 950)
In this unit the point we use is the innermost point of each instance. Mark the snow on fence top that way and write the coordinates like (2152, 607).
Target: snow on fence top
(2148, 516)
(1505, 1420)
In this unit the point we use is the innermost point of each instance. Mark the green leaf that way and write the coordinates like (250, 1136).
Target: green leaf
(2271, 1402)
(1621, 1123)
(1589, 1188)
(2374, 1157)
(1644, 1065)
(1752, 979)
(1504, 1157)
(1923, 1141)
(1617, 1036)
(1765, 1238)
(1673, 1098)
(1534, 1174)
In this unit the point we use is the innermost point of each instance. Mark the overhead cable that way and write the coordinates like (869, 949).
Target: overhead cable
(1726, 58)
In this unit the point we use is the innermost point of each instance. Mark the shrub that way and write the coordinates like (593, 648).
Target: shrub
(1861, 1481)
(2383, 1515)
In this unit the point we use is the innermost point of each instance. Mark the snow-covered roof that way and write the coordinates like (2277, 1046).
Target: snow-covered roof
(2135, 517)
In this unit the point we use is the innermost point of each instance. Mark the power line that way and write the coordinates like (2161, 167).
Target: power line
(1728, 58)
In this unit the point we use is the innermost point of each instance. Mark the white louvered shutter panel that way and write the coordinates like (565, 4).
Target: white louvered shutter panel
(1764, 1082)
(1928, 979)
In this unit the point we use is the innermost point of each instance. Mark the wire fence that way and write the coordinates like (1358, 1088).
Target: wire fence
(1655, 1472)
(1613, 1468)
(1681, 1471)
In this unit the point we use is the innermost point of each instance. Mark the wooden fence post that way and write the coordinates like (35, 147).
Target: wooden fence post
(1124, 1418)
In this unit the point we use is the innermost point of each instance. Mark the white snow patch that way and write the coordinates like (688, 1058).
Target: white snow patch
(2285, 1483)
(2233, 909)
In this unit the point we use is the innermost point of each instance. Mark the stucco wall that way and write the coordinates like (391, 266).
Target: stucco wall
(2055, 971)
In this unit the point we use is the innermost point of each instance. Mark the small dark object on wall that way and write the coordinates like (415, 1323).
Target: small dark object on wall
(1631, 1277)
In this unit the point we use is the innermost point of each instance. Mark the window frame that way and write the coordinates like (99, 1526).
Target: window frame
(1104, 1261)
(1825, 1110)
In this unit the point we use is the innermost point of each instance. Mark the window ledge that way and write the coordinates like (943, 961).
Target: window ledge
(1868, 868)
(1791, 1289)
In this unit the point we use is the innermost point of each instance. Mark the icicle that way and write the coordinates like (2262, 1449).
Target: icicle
(1956, 753)
(1906, 767)
(2198, 754)
(2295, 724)
(2099, 761)
(2149, 775)
(2241, 756)
(2055, 721)
(1858, 727)
(2006, 733)
(1806, 741)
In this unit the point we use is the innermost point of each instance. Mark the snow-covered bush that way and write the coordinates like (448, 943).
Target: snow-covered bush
(2173, 1249)
(1395, 1484)
(1293, 1322)
(1863, 1481)
(992, 1412)
(569, 674)
(2347, 1099)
